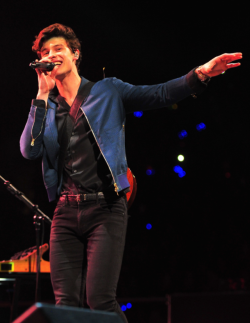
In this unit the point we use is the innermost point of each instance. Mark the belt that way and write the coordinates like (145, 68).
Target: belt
(84, 197)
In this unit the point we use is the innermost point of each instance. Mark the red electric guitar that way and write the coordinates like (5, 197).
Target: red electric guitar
(133, 187)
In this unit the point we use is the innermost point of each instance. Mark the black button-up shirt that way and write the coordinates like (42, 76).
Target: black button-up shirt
(85, 170)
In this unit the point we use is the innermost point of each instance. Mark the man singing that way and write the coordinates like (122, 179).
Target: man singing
(89, 179)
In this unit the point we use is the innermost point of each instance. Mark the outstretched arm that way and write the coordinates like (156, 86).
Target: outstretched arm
(165, 94)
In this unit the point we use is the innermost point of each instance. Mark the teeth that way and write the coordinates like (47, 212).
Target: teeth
(58, 63)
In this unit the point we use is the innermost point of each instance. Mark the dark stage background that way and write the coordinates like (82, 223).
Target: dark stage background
(199, 239)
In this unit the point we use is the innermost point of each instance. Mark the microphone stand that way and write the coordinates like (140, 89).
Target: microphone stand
(38, 217)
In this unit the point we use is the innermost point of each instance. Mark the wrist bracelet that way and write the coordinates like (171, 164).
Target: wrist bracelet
(202, 77)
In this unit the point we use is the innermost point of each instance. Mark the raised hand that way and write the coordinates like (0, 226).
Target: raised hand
(220, 64)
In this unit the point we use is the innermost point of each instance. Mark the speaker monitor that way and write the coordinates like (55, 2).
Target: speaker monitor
(45, 313)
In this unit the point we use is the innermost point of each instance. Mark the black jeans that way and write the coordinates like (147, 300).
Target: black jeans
(86, 249)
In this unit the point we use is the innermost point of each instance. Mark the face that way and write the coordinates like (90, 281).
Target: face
(57, 51)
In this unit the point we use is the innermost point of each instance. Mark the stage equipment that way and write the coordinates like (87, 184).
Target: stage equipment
(25, 262)
(38, 220)
(44, 313)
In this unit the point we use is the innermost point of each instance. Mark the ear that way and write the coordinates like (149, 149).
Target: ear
(76, 55)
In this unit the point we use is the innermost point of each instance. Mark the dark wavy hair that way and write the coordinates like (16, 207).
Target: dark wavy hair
(58, 30)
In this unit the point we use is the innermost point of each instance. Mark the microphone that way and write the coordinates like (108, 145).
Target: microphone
(42, 66)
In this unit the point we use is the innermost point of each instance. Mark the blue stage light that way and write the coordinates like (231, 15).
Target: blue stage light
(182, 134)
(201, 126)
(129, 305)
(123, 308)
(182, 174)
(179, 171)
(149, 226)
(138, 114)
(150, 171)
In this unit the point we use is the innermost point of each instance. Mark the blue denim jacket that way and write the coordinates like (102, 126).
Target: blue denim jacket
(105, 109)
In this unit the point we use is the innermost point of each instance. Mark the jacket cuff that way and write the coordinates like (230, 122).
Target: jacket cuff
(39, 103)
(194, 83)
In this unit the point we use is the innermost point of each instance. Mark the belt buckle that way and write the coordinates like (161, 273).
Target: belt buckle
(79, 197)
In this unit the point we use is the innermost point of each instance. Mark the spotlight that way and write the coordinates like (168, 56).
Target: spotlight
(181, 173)
(182, 134)
(138, 114)
(150, 171)
(180, 158)
(149, 226)
(200, 126)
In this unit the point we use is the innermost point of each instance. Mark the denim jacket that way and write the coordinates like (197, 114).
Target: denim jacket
(105, 110)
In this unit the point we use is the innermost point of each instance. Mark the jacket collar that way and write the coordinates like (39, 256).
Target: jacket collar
(54, 92)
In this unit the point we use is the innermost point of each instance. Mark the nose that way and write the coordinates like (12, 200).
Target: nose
(51, 55)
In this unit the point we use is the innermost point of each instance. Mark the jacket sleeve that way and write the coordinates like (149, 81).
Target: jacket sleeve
(31, 142)
(148, 97)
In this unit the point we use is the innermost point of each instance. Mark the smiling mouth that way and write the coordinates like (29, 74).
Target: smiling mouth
(58, 63)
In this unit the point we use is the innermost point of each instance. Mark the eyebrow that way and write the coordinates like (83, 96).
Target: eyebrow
(52, 46)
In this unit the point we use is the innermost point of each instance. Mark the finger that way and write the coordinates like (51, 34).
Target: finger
(233, 65)
(44, 60)
(232, 54)
(38, 71)
(53, 72)
(231, 57)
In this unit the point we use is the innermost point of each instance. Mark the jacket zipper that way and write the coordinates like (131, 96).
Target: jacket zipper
(115, 185)
(33, 139)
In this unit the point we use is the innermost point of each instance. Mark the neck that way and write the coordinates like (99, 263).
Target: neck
(68, 86)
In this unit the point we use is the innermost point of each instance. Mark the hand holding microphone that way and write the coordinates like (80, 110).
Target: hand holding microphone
(46, 80)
